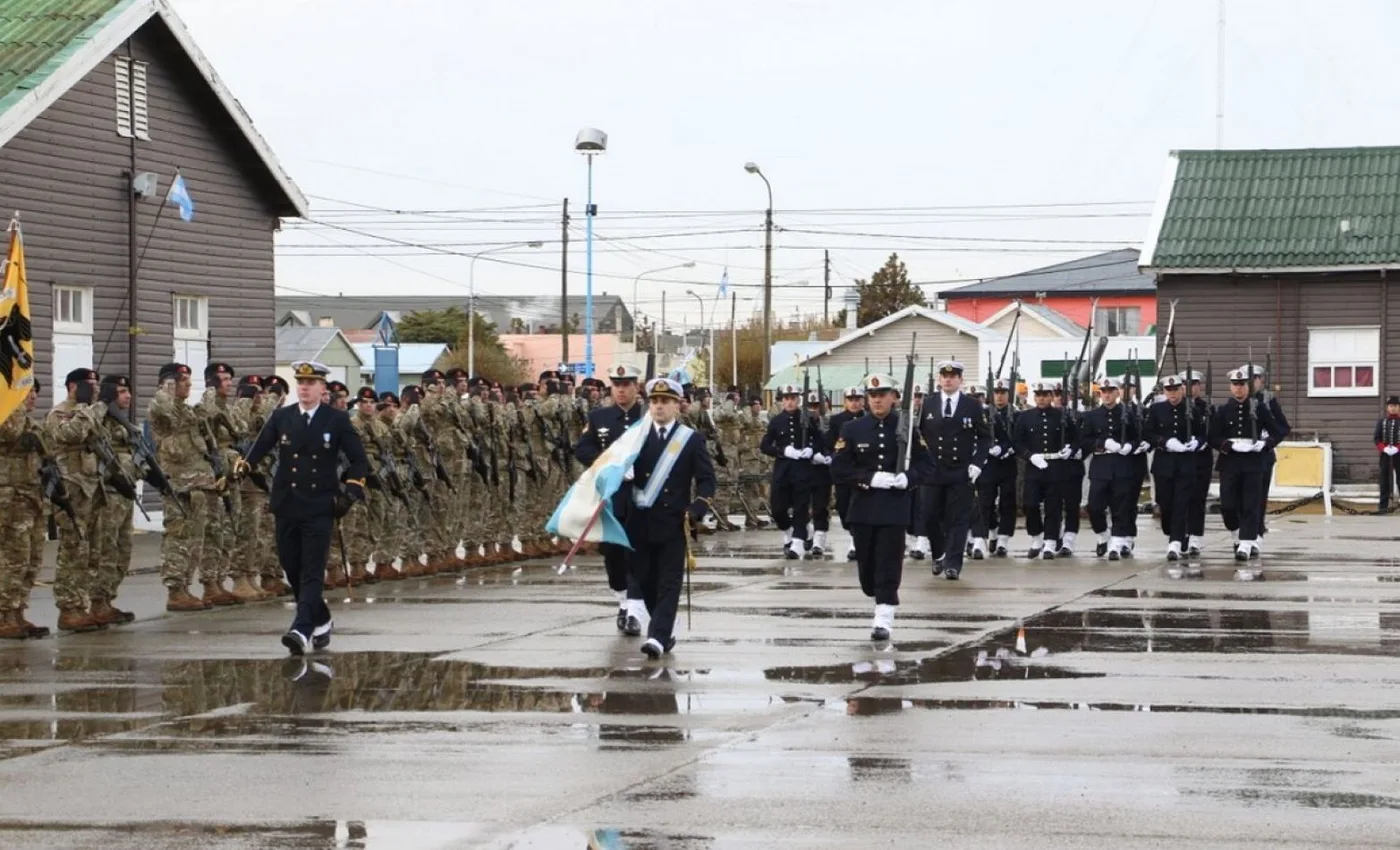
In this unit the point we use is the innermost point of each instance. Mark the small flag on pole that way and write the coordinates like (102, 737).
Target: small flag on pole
(179, 195)
(724, 284)
(594, 489)
(16, 332)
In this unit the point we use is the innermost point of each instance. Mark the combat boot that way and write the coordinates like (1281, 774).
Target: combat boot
(77, 620)
(335, 577)
(246, 591)
(104, 613)
(214, 594)
(386, 572)
(34, 631)
(180, 599)
(276, 587)
(12, 627)
(360, 575)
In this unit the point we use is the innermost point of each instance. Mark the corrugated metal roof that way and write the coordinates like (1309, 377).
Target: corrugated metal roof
(295, 343)
(415, 358)
(1109, 272)
(36, 35)
(834, 378)
(1320, 208)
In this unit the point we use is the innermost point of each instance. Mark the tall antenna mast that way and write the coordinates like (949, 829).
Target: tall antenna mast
(1220, 74)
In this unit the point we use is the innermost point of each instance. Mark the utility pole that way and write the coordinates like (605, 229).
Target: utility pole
(734, 333)
(826, 301)
(564, 288)
(656, 339)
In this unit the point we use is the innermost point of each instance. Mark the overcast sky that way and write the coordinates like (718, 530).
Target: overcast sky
(871, 120)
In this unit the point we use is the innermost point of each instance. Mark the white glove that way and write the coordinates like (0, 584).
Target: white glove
(1111, 445)
(1175, 445)
(792, 453)
(820, 459)
(1193, 445)
(900, 481)
(1010, 450)
(1078, 455)
(972, 472)
(629, 474)
(1125, 449)
(1392, 450)
(1039, 462)
(994, 451)
(1065, 452)
(1142, 448)
(882, 480)
(807, 453)
(1260, 445)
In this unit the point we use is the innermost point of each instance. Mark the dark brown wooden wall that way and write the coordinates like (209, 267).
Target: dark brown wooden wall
(65, 173)
(1218, 318)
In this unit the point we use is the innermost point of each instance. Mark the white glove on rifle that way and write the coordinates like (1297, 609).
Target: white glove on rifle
(792, 453)
(1260, 445)
(972, 472)
(807, 453)
(1039, 462)
(1111, 445)
(1193, 445)
(1065, 452)
(820, 459)
(1142, 448)
(1125, 449)
(1010, 450)
(1392, 450)
(1175, 445)
(900, 481)
(882, 480)
(629, 474)
(1078, 455)
(994, 451)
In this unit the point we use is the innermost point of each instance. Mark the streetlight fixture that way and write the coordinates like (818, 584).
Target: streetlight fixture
(590, 142)
(710, 361)
(752, 168)
(685, 265)
(471, 300)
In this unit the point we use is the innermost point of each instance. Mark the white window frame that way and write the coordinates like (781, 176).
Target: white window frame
(1330, 356)
(65, 324)
(131, 86)
(198, 307)
(1119, 311)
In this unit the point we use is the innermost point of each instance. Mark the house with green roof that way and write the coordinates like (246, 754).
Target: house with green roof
(102, 103)
(1289, 257)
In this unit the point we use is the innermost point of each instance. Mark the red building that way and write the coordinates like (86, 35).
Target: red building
(1127, 298)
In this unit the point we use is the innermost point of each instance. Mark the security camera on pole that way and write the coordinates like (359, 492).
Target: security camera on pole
(590, 142)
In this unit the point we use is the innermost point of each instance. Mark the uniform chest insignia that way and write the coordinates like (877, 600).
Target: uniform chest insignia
(840, 444)
(326, 438)
(862, 445)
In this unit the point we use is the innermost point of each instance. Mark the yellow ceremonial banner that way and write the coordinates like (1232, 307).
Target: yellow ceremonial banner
(16, 333)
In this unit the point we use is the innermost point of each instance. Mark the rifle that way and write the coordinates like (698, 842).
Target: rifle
(906, 407)
(143, 457)
(1253, 429)
(51, 478)
(111, 469)
(823, 401)
(802, 414)
(1015, 323)
(216, 463)
(254, 475)
(532, 472)
(431, 445)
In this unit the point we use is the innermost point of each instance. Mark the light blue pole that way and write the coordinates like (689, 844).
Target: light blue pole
(588, 285)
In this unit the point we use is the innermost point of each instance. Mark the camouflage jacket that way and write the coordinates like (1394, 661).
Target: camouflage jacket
(19, 466)
(71, 426)
(123, 446)
(179, 442)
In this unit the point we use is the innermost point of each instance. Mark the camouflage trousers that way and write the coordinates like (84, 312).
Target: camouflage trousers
(183, 550)
(438, 520)
(21, 546)
(389, 520)
(252, 516)
(358, 534)
(113, 547)
(265, 532)
(221, 537)
(543, 498)
(76, 575)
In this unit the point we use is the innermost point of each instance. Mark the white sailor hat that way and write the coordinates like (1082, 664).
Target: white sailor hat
(624, 372)
(1195, 377)
(949, 367)
(976, 389)
(1039, 387)
(1254, 369)
(814, 398)
(1108, 382)
(918, 389)
(1238, 376)
(1001, 385)
(310, 370)
(789, 389)
(855, 392)
(1172, 382)
(880, 383)
(663, 388)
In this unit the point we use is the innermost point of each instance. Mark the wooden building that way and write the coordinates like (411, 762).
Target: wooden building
(101, 102)
(1293, 255)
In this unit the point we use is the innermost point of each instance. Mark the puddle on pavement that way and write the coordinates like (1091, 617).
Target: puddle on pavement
(311, 834)
(863, 614)
(870, 706)
(1320, 597)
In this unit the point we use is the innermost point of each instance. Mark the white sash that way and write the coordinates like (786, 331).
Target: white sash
(647, 496)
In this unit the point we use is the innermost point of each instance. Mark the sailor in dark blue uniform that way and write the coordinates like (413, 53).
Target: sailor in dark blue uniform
(868, 451)
(1243, 430)
(1204, 456)
(854, 409)
(1265, 397)
(1110, 436)
(672, 478)
(794, 439)
(821, 478)
(996, 488)
(955, 427)
(605, 424)
(1176, 430)
(307, 497)
(1045, 438)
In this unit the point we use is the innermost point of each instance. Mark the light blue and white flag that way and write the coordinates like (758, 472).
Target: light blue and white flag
(179, 195)
(723, 284)
(596, 486)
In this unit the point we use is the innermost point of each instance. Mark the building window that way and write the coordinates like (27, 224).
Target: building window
(1343, 361)
(1117, 321)
(191, 317)
(70, 310)
(189, 324)
(72, 334)
(133, 117)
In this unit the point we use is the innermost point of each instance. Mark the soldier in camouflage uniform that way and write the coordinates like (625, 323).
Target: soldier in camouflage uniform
(365, 535)
(438, 414)
(180, 451)
(224, 425)
(399, 521)
(730, 444)
(113, 547)
(251, 412)
(22, 504)
(533, 428)
(432, 504)
(521, 474)
(72, 425)
(275, 390)
(754, 466)
(483, 505)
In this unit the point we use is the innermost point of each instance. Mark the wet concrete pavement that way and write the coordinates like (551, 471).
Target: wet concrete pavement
(1033, 704)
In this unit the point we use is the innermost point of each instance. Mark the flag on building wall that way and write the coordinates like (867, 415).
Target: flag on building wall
(179, 195)
(16, 332)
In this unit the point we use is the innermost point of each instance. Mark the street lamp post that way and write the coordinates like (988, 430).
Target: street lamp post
(590, 142)
(686, 265)
(752, 168)
(471, 300)
(709, 361)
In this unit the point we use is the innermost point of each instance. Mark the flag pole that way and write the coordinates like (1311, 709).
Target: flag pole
(573, 550)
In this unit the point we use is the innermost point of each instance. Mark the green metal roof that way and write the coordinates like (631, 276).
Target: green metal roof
(37, 36)
(835, 379)
(1319, 208)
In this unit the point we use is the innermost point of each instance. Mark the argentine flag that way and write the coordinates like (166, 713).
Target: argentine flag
(595, 487)
(723, 284)
(179, 195)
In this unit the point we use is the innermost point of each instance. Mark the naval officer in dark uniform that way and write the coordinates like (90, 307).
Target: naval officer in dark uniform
(306, 499)
(1243, 430)
(955, 427)
(605, 424)
(854, 409)
(671, 478)
(1176, 430)
(1109, 438)
(868, 452)
(794, 439)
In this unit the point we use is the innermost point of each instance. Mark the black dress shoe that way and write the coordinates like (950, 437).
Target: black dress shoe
(653, 648)
(321, 635)
(1101, 549)
(1001, 552)
(622, 621)
(1113, 555)
(938, 566)
(952, 573)
(295, 642)
(879, 633)
(633, 627)
(668, 644)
